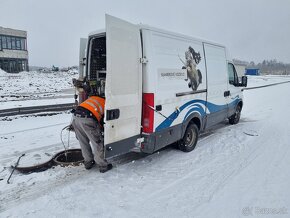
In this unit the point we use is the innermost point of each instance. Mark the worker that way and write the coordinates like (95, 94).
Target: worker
(88, 124)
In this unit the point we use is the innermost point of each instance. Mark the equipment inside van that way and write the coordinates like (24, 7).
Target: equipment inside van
(160, 87)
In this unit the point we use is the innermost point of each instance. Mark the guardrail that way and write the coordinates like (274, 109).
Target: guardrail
(258, 87)
(36, 109)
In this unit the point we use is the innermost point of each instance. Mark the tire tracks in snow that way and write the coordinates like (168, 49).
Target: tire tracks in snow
(204, 171)
(23, 192)
(27, 130)
(214, 181)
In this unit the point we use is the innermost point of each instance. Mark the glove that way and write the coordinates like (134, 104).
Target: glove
(77, 83)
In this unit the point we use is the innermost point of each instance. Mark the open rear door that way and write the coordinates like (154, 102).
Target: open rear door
(82, 64)
(123, 86)
(82, 57)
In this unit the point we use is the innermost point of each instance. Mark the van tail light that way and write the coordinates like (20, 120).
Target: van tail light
(148, 112)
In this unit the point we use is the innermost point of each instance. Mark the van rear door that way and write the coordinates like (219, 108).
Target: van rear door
(123, 86)
(82, 64)
(82, 56)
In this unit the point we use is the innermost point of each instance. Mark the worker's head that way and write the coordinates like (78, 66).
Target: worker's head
(102, 95)
(97, 95)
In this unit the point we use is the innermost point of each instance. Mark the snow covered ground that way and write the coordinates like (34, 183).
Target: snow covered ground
(254, 81)
(235, 171)
(26, 88)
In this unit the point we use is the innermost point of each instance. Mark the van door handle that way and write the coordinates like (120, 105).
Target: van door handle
(227, 93)
(113, 114)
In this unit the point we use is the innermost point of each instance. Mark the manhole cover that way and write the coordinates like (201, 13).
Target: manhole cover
(34, 161)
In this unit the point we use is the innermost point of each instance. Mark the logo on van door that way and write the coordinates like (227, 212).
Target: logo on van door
(194, 76)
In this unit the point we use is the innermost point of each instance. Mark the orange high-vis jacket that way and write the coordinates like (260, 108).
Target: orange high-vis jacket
(96, 105)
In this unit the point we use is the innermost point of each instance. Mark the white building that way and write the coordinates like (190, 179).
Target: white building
(13, 50)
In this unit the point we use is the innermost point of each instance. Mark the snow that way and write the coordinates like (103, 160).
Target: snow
(27, 134)
(235, 171)
(26, 88)
(254, 81)
(35, 82)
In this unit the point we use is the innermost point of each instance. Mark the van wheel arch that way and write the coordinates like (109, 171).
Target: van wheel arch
(240, 104)
(195, 119)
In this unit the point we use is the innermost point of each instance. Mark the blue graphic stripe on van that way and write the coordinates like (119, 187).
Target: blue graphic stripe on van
(167, 122)
(196, 108)
(212, 108)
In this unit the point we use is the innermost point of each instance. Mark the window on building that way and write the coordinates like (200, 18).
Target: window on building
(10, 42)
(13, 43)
(23, 44)
(9, 45)
(13, 65)
(4, 42)
(18, 43)
(5, 65)
(24, 65)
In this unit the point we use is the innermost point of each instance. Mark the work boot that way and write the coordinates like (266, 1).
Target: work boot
(89, 164)
(106, 168)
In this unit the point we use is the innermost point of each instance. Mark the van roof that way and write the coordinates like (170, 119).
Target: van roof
(147, 27)
(155, 29)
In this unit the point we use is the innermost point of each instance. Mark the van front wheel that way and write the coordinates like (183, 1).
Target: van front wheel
(234, 119)
(189, 140)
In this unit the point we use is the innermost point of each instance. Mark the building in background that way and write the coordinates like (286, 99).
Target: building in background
(253, 71)
(13, 50)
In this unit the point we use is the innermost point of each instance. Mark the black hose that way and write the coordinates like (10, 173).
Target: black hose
(14, 168)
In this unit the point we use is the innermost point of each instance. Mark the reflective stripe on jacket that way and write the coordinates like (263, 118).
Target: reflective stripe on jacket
(95, 105)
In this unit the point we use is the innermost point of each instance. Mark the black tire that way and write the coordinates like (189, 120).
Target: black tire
(189, 140)
(235, 118)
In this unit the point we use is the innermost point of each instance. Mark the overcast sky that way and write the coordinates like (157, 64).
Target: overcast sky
(251, 29)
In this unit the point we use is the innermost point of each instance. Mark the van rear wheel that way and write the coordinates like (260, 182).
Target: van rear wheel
(189, 140)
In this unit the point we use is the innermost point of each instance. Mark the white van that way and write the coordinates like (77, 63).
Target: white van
(160, 87)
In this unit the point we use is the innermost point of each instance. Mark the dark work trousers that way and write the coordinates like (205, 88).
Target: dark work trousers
(88, 131)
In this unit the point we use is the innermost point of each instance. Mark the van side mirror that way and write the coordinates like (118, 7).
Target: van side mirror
(244, 81)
